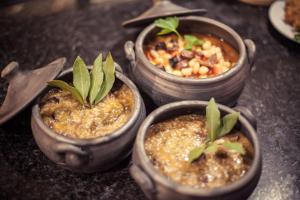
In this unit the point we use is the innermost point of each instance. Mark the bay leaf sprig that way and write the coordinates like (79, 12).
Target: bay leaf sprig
(217, 129)
(65, 86)
(109, 78)
(90, 87)
(97, 75)
(81, 77)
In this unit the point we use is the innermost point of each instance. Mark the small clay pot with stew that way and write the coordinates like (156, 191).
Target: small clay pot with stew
(167, 76)
(161, 166)
(78, 147)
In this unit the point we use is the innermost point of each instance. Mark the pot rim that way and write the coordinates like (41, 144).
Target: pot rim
(98, 140)
(155, 175)
(241, 47)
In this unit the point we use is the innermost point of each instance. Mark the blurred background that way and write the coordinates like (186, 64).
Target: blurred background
(44, 7)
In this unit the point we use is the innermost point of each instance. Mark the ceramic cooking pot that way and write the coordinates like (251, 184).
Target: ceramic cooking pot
(157, 186)
(163, 87)
(89, 155)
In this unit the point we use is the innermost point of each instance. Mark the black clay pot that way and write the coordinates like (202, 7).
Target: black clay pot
(157, 186)
(164, 88)
(89, 155)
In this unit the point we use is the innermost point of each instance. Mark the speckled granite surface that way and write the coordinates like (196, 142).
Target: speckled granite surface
(272, 93)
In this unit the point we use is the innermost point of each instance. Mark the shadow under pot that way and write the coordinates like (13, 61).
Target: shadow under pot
(161, 165)
(164, 87)
(80, 151)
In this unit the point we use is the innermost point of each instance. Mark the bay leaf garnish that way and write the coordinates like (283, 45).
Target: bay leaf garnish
(81, 77)
(216, 130)
(228, 123)
(212, 120)
(96, 79)
(211, 148)
(95, 84)
(109, 78)
(234, 146)
(197, 152)
(65, 86)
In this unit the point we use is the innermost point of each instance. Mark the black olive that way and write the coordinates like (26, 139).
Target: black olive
(173, 61)
(160, 46)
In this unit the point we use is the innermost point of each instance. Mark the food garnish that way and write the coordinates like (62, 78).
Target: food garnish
(217, 129)
(89, 88)
(191, 41)
(168, 25)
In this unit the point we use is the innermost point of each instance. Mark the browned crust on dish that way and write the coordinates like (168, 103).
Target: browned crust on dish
(168, 144)
(66, 116)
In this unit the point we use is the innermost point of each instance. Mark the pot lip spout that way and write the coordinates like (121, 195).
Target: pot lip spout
(146, 164)
(240, 63)
(36, 118)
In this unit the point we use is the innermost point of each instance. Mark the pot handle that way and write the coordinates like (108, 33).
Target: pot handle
(10, 70)
(247, 114)
(251, 51)
(130, 54)
(143, 180)
(71, 155)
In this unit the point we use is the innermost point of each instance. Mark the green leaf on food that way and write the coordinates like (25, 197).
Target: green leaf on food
(211, 148)
(191, 41)
(297, 37)
(217, 130)
(95, 84)
(197, 152)
(109, 78)
(234, 146)
(81, 77)
(167, 25)
(213, 121)
(65, 86)
(96, 79)
(229, 122)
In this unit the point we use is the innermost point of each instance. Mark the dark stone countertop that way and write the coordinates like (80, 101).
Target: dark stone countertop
(272, 93)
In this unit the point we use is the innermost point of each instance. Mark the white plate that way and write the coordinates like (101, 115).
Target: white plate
(276, 16)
